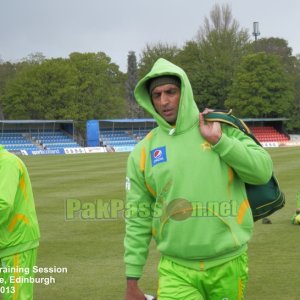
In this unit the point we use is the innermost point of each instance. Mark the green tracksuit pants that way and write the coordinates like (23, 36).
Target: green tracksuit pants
(224, 282)
(15, 271)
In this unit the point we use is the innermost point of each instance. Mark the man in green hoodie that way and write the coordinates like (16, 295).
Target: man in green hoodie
(185, 188)
(19, 229)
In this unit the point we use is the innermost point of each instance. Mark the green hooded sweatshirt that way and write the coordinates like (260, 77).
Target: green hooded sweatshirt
(185, 193)
(19, 229)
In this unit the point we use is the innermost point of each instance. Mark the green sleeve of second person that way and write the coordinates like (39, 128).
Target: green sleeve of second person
(9, 177)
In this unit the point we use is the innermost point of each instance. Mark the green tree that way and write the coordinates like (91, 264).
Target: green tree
(101, 86)
(133, 109)
(294, 120)
(261, 88)
(276, 46)
(280, 48)
(34, 58)
(40, 91)
(85, 86)
(213, 57)
(7, 71)
(189, 59)
(152, 52)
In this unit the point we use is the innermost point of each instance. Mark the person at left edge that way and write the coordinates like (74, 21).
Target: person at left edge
(19, 229)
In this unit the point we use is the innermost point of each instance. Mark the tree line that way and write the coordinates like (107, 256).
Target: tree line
(226, 68)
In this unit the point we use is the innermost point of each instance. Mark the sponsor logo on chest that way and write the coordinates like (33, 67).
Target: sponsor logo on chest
(158, 155)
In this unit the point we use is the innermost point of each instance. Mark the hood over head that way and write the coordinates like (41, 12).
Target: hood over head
(188, 113)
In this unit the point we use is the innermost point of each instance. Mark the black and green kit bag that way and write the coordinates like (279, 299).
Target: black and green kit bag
(264, 199)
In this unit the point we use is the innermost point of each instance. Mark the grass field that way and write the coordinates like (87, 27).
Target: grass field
(92, 249)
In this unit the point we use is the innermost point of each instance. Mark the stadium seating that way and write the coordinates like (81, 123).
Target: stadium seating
(35, 140)
(118, 138)
(54, 140)
(141, 133)
(268, 134)
(128, 138)
(263, 134)
(15, 141)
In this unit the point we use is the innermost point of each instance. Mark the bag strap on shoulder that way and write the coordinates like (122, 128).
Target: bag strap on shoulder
(227, 117)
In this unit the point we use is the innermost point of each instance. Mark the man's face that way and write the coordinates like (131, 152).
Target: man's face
(165, 99)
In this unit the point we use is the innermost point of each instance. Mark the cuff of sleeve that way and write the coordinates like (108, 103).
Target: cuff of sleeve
(134, 271)
(223, 145)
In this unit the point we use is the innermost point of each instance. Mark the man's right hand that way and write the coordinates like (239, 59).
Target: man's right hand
(211, 131)
(133, 292)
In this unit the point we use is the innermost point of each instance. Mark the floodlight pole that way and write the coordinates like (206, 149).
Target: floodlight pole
(256, 32)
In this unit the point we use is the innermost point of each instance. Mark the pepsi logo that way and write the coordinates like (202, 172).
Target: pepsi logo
(157, 154)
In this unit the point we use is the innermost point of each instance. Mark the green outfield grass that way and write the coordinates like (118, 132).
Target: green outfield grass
(91, 248)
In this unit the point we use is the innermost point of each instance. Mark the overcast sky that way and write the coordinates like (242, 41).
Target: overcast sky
(59, 27)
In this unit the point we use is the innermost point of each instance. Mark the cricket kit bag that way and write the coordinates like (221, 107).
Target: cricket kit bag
(264, 199)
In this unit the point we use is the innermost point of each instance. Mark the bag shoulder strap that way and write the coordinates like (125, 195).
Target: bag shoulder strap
(228, 118)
